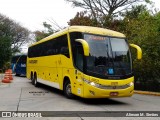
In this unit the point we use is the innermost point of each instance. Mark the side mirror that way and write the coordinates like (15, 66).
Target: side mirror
(85, 46)
(139, 51)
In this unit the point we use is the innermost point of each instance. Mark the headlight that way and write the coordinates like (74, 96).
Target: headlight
(86, 81)
(108, 86)
(130, 84)
(94, 84)
(91, 83)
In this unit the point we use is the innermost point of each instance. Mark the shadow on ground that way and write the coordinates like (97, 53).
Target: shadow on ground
(99, 101)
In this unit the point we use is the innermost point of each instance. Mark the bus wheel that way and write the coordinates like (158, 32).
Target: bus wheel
(17, 74)
(36, 84)
(67, 89)
(32, 78)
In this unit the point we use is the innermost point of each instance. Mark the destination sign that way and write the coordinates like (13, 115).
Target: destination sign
(94, 37)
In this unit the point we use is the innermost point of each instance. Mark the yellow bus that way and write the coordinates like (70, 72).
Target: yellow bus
(85, 61)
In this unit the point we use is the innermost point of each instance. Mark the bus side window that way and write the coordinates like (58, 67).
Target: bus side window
(63, 45)
(77, 50)
(64, 51)
(54, 46)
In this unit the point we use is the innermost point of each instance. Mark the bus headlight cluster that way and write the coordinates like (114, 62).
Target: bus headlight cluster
(130, 84)
(91, 83)
(108, 86)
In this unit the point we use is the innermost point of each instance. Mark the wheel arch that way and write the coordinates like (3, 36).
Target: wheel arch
(66, 78)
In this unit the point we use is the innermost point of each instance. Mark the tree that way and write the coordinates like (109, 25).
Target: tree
(142, 28)
(20, 36)
(12, 36)
(49, 29)
(82, 18)
(42, 34)
(105, 10)
(5, 50)
(17, 34)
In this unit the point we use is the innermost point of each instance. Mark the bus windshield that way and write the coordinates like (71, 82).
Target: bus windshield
(109, 56)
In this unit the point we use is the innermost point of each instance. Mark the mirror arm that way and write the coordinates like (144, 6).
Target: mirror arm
(139, 51)
(85, 46)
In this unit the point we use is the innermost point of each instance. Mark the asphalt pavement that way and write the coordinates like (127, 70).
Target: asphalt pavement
(21, 95)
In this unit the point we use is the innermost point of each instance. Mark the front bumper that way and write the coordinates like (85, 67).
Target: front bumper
(94, 92)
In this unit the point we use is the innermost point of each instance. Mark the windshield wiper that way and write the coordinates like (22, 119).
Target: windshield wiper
(120, 66)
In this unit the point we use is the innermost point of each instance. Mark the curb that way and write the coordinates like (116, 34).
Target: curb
(147, 93)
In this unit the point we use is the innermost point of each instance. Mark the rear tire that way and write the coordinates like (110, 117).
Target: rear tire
(36, 84)
(17, 74)
(32, 79)
(67, 89)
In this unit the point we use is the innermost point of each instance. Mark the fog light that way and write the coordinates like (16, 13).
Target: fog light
(131, 91)
(92, 92)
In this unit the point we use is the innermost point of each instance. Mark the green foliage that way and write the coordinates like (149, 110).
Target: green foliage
(42, 34)
(5, 50)
(7, 65)
(48, 27)
(12, 36)
(144, 32)
(142, 28)
(104, 11)
(82, 18)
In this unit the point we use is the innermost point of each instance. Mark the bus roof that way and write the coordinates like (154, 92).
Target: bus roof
(95, 30)
(84, 29)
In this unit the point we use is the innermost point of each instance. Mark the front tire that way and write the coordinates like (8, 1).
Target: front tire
(68, 90)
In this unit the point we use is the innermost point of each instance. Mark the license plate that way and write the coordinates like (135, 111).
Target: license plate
(113, 93)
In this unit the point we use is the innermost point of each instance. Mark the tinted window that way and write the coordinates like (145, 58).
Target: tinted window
(55, 46)
(21, 59)
(14, 59)
(63, 45)
(77, 50)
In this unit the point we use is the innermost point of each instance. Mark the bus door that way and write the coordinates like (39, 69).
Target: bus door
(63, 64)
(79, 63)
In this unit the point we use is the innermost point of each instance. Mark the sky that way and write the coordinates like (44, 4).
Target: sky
(32, 13)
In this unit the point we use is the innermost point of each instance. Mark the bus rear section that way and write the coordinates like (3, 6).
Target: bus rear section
(18, 64)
